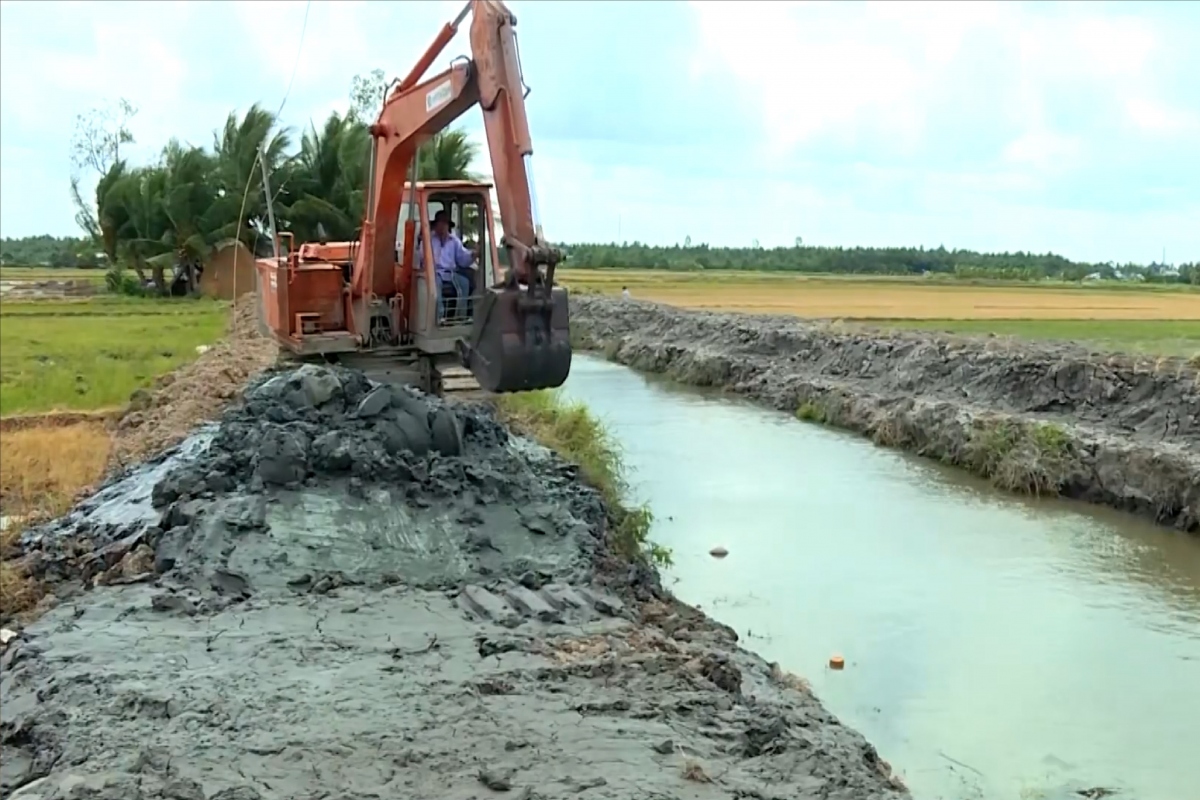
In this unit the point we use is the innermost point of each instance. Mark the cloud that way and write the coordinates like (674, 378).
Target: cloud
(979, 124)
(1043, 150)
(933, 108)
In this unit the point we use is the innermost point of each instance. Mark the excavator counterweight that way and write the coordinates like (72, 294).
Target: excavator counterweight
(403, 302)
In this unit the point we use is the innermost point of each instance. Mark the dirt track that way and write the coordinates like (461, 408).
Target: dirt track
(352, 591)
(1044, 418)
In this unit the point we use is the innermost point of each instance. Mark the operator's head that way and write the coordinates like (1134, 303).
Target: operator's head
(442, 224)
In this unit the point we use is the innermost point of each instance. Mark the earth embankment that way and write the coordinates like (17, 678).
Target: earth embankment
(348, 590)
(1040, 418)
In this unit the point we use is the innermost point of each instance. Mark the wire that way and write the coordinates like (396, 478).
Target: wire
(296, 63)
(250, 178)
(237, 238)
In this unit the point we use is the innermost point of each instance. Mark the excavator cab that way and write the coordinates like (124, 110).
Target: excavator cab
(512, 336)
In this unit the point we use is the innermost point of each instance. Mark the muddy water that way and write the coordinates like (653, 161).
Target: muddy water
(995, 647)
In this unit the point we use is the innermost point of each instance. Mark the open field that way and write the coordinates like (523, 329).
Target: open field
(93, 354)
(1130, 317)
(19, 273)
(1149, 337)
(604, 279)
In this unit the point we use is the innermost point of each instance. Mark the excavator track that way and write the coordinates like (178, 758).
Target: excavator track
(458, 382)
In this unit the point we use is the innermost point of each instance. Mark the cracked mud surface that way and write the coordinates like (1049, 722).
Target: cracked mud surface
(351, 591)
(1131, 427)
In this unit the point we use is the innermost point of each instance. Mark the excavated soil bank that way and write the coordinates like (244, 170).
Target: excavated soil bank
(1039, 418)
(344, 590)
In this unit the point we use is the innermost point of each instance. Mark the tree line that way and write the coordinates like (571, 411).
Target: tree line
(161, 220)
(966, 264)
(149, 223)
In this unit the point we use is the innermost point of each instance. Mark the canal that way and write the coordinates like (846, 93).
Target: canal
(995, 647)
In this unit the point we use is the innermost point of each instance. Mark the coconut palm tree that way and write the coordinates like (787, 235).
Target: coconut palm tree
(111, 216)
(327, 179)
(235, 150)
(190, 202)
(133, 208)
(447, 156)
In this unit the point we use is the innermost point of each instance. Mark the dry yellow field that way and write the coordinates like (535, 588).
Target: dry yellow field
(894, 299)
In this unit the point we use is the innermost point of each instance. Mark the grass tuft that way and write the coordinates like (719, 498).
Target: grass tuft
(811, 411)
(1020, 457)
(572, 431)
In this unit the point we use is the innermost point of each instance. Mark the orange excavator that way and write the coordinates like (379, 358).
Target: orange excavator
(379, 304)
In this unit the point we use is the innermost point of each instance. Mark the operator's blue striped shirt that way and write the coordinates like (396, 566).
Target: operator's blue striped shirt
(448, 254)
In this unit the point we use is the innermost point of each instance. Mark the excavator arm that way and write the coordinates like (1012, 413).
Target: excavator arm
(502, 92)
(519, 334)
(416, 110)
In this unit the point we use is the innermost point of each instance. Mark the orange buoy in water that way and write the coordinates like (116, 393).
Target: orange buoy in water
(836, 661)
(718, 552)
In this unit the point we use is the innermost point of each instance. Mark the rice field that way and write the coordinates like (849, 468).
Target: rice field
(1154, 319)
(86, 354)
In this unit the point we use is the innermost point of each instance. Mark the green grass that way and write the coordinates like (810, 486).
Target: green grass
(1151, 337)
(22, 273)
(573, 432)
(94, 354)
(109, 305)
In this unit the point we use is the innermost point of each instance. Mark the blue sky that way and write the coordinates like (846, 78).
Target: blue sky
(1073, 127)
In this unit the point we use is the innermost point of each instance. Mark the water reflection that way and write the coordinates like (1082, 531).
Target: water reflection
(994, 644)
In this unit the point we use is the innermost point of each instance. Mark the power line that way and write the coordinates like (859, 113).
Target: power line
(296, 63)
(250, 177)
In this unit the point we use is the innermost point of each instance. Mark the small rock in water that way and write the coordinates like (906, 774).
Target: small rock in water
(718, 552)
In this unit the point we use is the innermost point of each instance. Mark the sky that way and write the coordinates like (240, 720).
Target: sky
(1072, 128)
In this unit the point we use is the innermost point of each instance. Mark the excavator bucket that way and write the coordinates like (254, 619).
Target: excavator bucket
(520, 339)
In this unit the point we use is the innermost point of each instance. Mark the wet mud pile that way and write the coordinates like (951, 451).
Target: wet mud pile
(1036, 418)
(346, 590)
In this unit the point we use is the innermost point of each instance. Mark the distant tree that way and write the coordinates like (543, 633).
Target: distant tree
(50, 251)
(96, 144)
(366, 95)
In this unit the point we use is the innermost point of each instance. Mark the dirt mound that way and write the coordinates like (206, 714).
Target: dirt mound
(1043, 418)
(448, 592)
(163, 415)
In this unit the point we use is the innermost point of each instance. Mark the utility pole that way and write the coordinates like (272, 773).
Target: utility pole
(266, 178)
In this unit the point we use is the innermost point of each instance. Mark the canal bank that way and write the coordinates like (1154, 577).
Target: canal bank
(997, 646)
(1035, 418)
